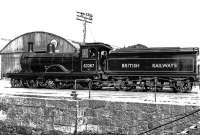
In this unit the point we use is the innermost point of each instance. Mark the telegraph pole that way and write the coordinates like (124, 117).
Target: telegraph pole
(85, 18)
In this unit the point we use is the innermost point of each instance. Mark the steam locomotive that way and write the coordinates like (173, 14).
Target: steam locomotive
(97, 66)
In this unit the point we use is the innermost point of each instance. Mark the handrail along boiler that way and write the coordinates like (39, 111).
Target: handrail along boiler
(133, 67)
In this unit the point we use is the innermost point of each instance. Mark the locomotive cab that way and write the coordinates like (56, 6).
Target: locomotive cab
(94, 57)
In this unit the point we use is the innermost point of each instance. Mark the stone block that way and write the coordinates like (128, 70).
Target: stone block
(61, 104)
(3, 106)
(52, 132)
(11, 113)
(96, 104)
(115, 106)
(104, 121)
(92, 121)
(175, 109)
(84, 104)
(70, 104)
(90, 112)
(33, 102)
(190, 108)
(16, 101)
(148, 108)
(163, 108)
(134, 107)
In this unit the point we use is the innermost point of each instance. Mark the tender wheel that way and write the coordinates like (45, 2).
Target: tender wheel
(190, 85)
(159, 88)
(16, 83)
(50, 84)
(173, 86)
(25, 83)
(95, 86)
(144, 87)
(184, 86)
(187, 86)
(60, 85)
(41, 83)
(148, 88)
(32, 84)
(178, 89)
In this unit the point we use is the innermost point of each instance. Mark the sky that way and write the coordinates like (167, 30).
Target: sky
(154, 23)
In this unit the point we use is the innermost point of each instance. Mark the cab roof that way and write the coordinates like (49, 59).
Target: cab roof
(98, 45)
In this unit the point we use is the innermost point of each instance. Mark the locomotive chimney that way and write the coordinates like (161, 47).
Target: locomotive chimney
(51, 48)
(30, 46)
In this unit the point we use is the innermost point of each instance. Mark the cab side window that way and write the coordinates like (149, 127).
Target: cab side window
(92, 53)
(84, 53)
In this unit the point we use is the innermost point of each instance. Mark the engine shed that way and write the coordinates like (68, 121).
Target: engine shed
(33, 41)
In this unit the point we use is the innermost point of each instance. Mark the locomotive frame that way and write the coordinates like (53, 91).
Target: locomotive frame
(61, 70)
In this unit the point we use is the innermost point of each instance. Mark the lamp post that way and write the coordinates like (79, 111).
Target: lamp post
(155, 79)
(74, 97)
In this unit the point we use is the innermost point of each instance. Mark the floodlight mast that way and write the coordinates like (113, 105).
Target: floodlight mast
(85, 18)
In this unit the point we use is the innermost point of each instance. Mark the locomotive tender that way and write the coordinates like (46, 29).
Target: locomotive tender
(133, 67)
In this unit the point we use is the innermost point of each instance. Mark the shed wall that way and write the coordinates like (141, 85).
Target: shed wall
(11, 63)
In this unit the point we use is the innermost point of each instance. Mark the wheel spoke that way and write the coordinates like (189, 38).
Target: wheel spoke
(16, 83)
(187, 86)
(32, 83)
(60, 85)
(50, 84)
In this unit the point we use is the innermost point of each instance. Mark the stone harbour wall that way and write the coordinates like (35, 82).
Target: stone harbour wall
(97, 116)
